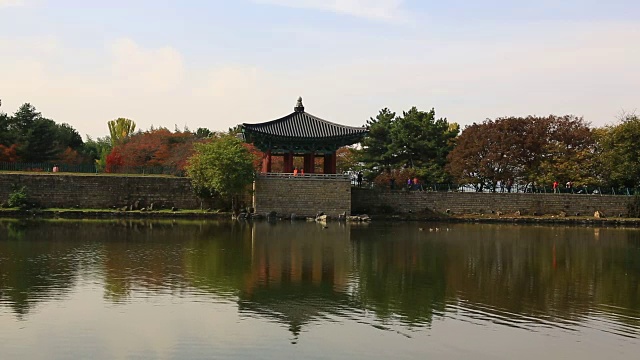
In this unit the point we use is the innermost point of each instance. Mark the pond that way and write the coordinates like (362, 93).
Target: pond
(227, 290)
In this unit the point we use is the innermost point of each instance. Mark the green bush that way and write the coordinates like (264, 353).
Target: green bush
(18, 197)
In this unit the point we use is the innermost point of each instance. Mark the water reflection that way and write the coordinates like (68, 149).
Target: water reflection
(393, 277)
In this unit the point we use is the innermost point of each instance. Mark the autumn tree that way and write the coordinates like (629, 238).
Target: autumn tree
(221, 166)
(526, 150)
(120, 129)
(8, 154)
(347, 160)
(568, 153)
(159, 148)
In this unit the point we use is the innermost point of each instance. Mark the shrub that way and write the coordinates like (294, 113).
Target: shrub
(18, 197)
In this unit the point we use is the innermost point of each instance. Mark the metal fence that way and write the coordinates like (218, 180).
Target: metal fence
(90, 169)
(516, 188)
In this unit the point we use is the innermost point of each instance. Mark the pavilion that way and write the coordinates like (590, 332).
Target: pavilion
(301, 134)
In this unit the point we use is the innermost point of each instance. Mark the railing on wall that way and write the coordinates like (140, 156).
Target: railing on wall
(516, 189)
(89, 169)
(304, 176)
(46, 167)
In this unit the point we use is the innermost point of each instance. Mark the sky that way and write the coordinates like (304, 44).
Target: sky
(219, 63)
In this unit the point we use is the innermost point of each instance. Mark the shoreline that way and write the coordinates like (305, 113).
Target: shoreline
(110, 214)
(205, 215)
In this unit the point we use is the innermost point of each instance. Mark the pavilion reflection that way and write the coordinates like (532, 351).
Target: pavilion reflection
(305, 253)
(299, 272)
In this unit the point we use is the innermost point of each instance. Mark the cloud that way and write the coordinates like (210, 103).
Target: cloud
(153, 86)
(590, 70)
(151, 70)
(382, 10)
(9, 3)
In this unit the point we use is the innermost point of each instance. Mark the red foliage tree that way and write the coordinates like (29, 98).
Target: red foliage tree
(9, 154)
(159, 148)
(525, 150)
(257, 155)
(114, 161)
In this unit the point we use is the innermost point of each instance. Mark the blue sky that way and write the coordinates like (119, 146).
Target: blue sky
(218, 63)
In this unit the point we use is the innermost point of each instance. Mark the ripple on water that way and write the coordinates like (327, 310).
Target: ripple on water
(607, 319)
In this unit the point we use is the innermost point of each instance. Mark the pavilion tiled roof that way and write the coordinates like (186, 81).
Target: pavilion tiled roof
(300, 124)
(303, 125)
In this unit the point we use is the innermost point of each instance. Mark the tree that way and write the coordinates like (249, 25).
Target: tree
(23, 120)
(68, 137)
(526, 150)
(495, 151)
(415, 140)
(223, 166)
(346, 160)
(568, 153)
(97, 151)
(203, 133)
(158, 148)
(40, 142)
(620, 152)
(28, 136)
(121, 129)
(5, 137)
(9, 154)
(422, 142)
(375, 151)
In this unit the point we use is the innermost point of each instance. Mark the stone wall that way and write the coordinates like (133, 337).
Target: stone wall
(302, 196)
(101, 191)
(373, 201)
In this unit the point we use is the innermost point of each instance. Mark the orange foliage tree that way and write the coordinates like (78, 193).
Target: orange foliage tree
(156, 148)
(9, 153)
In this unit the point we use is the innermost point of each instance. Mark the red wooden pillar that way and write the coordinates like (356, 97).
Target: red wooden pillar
(266, 162)
(309, 163)
(330, 163)
(288, 162)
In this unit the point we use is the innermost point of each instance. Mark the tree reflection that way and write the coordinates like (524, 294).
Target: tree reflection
(303, 274)
(32, 267)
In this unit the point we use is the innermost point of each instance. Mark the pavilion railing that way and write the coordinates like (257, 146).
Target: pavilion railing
(304, 176)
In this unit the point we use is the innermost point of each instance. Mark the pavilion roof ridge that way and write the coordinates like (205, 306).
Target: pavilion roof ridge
(317, 118)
